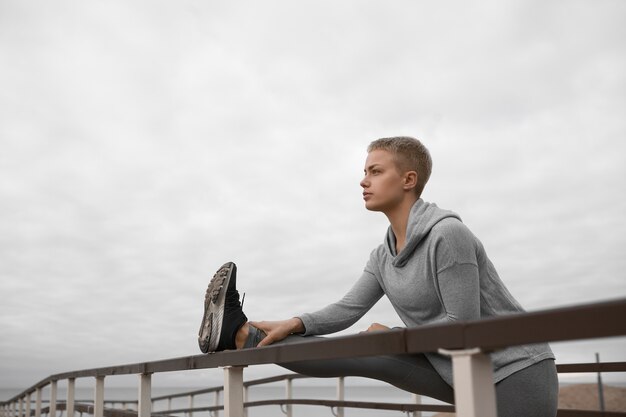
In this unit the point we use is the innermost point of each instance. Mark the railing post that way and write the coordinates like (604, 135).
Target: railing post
(38, 402)
(144, 406)
(233, 391)
(98, 398)
(27, 408)
(216, 401)
(245, 400)
(474, 390)
(53, 399)
(289, 396)
(341, 391)
(190, 406)
(71, 390)
(600, 387)
(417, 399)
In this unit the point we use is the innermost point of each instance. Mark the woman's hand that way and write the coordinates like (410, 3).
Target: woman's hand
(278, 330)
(376, 327)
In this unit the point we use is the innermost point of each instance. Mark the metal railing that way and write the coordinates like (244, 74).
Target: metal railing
(468, 344)
(337, 406)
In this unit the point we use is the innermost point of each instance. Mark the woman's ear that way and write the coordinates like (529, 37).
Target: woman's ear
(410, 180)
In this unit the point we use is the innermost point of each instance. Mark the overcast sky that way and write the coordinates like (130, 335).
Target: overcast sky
(143, 144)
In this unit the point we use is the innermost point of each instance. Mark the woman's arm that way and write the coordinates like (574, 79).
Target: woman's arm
(332, 318)
(460, 292)
(347, 311)
(457, 273)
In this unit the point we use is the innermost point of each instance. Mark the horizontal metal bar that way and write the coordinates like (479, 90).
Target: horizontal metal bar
(276, 378)
(331, 403)
(565, 368)
(570, 323)
(392, 342)
(108, 412)
(188, 393)
(357, 404)
(588, 413)
(260, 381)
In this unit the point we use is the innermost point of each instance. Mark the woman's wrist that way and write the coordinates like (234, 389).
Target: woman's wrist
(296, 325)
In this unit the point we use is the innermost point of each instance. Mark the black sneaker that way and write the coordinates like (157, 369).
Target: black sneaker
(223, 315)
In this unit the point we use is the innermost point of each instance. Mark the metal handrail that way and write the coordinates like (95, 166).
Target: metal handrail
(334, 403)
(589, 321)
(590, 367)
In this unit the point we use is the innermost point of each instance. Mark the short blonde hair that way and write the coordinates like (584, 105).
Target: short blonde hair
(409, 155)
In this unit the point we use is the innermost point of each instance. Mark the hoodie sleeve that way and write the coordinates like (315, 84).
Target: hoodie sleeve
(347, 311)
(457, 273)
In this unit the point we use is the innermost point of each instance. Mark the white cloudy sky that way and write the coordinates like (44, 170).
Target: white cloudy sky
(143, 144)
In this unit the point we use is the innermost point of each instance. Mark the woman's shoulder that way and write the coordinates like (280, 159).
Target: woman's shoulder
(451, 227)
(377, 257)
(454, 241)
(378, 254)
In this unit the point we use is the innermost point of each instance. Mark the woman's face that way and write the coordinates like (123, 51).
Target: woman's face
(383, 185)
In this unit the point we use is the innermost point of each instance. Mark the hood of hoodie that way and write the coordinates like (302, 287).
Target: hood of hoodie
(422, 218)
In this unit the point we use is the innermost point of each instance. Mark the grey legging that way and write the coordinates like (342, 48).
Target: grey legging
(531, 392)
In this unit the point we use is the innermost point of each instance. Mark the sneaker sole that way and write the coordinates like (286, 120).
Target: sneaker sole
(211, 325)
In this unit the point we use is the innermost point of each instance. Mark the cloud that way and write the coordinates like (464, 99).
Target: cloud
(143, 146)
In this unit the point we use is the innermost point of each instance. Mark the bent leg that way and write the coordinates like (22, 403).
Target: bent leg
(531, 392)
(412, 373)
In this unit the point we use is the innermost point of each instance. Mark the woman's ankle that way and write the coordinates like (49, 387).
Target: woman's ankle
(242, 335)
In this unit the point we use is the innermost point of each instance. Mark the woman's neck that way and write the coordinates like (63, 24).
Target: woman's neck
(399, 219)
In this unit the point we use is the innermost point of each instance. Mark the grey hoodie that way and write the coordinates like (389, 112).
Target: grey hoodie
(441, 275)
